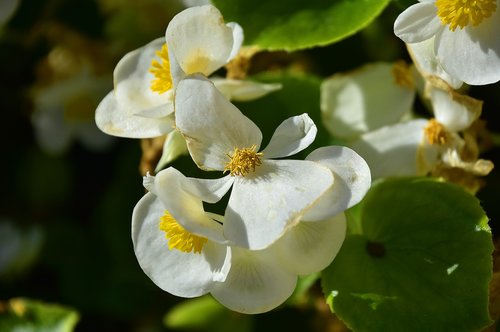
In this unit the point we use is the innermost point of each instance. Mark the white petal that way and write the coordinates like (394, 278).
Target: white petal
(292, 136)
(238, 37)
(199, 40)
(179, 273)
(393, 150)
(255, 283)
(452, 109)
(119, 119)
(212, 126)
(352, 179)
(425, 60)
(364, 100)
(212, 190)
(132, 81)
(264, 204)
(478, 60)
(240, 90)
(310, 247)
(180, 199)
(174, 147)
(417, 23)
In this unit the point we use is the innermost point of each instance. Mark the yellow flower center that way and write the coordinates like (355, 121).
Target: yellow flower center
(401, 72)
(163, 79)
(464, 12)
(242, 161)
(178, 238)
(436, 133)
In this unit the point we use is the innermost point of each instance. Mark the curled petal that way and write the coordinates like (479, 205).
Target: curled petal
(417, 23)
(240, 90)
(255, 283)
(352, 179)
(176, 272)
(238, 37)
(117, 119)
(292, 136)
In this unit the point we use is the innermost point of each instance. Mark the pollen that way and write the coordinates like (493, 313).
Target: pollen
(243, 161)
(401, 72)
(461, 13)
(161, 70)
(178, 238)
(436, 133)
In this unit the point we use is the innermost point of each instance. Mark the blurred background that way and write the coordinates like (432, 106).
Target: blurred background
(68, 190)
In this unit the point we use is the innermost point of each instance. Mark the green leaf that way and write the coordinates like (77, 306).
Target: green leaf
(206, 314)
(418, 260)
(21, 314)
(297, 24)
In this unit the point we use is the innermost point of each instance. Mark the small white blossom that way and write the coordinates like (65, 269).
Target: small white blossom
(196, 41)
(268, 195)
(182, 248)
(464, 34)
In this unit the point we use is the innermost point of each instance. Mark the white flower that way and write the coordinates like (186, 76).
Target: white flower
(268, 196)
(64, 111)
(196, 41)
(182, 248)
(464, 33)
(421, 146)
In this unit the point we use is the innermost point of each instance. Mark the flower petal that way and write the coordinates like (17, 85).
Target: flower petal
(179, 273)
(452, 109)
(478, 61)
(417, 23)
(180, 199)
(119, 119)
(212, 126)
(310, 247)
(364, 100)
(255, 283)
(425, 60)
(132, 81)
(174, 147)
(238, 37)
(393, 150)
(352, 179)
(199, 40)
(240, 90)
(264, 204)
(292, 136)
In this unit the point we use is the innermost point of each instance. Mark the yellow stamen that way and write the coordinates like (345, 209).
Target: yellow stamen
(401, 72)
(163, 79)
(178, 238)
(464, 12)
(436, 133)
(243, 161)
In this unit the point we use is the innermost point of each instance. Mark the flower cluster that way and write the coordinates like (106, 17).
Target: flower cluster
(283, 218)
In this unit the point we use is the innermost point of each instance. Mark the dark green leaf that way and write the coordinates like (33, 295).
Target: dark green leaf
(419, 260)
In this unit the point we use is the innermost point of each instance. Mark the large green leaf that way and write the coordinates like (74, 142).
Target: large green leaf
(297, 24)
(417, 259)
(28, 315)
